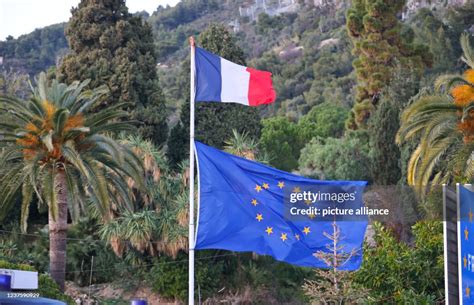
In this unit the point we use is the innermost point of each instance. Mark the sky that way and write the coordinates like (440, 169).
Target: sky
(19, 17)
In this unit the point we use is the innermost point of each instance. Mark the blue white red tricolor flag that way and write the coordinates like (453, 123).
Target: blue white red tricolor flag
(220, 80)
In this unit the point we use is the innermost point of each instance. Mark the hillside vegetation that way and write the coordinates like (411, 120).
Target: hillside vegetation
(362, 94)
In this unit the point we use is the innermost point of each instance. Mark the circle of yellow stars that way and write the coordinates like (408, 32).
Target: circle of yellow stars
(259, 216)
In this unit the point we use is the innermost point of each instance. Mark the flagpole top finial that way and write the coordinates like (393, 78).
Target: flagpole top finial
(191, 41)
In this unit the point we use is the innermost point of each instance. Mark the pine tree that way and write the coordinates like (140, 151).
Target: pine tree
(334, 286)
(215, 121)
(379, 45)
(112, 47)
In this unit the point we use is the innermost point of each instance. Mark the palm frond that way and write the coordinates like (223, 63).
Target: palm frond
(446, 82)
(54, 142)
(468, 52)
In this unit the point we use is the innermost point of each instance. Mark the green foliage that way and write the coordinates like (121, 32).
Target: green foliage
(223, 276)
(170, 278)
(113, 48)
(443, 125)
(177, 144)
(336, 159)
(170, 24)
(440, 37)
(384, 153)
(394, 272)
(324, 120)
(378, 44)
(36, 51)
(183, 12)
(218, 40)
(156, 223)
(84, 245)
(56, 133)
(281, 139)
(56, 149)
(243, 146)
(266, 24)
(459, 19)
(14, 84)
(7, 265)
(48, 288)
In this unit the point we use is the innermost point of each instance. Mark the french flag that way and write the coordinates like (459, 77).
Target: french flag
(220, 80)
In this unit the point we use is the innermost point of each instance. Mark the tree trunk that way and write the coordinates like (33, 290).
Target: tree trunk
(57, 233)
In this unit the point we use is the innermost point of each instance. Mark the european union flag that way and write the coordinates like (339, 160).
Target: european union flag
(466, 238)
(248, 206)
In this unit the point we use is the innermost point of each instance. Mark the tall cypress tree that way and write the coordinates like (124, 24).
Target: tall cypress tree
(379, 45)
(385, 154)
(112, 47)
(214, 122)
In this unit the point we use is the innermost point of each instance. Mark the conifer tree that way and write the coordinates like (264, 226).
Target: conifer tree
(333, 285)
(111, 47)
(379, 45)
(385, 154)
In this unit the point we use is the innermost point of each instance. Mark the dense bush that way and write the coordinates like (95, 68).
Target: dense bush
(336, 159)
(7, 265)
(282, 141)
(84, 245)
(220, 275)
(169, 277)
(48, 288)
(395, 272)
(324, 120)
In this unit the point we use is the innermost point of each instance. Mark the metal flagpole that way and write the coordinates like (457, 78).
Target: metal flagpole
(191, 180)
(445, 246)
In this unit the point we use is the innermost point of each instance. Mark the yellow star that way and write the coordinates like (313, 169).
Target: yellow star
(470, 215)
(297, 190)
(258, 188)
(311, 216)
(465, 261)
(265, 186)
(297, 236)
(308, 202)
(269, 230)
(306, 230)
(281, 184)
(468, 292)
(466, 234)
(259, 217)
(254, 202)
(283, 237)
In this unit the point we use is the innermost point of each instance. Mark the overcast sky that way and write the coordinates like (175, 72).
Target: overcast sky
(19, 17)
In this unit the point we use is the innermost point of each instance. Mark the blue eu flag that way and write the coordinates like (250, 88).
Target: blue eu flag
(466, 239)
(248, 206)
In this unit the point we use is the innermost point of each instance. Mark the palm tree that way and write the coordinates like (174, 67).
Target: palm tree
(57, 146)
(444, 126)
(158, 223)
(244, 146)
